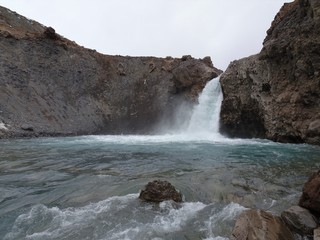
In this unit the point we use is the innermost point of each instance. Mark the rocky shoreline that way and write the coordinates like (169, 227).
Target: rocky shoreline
(297, 222)
(53, 87)
(300, 221)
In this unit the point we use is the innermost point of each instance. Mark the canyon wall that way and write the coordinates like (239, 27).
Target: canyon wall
(51, 86)
(276, 93)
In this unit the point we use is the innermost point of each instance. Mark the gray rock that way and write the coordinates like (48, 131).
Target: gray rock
(300, 220)
(258, 224)
(276, 93)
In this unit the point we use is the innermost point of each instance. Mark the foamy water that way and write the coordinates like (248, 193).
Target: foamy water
(123, 218)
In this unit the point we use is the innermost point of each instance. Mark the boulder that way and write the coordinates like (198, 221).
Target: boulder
(158, 191)
(300, 220)
(310, 198)
(258, 224)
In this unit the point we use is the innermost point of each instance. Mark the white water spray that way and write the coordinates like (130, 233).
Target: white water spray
(205, 116)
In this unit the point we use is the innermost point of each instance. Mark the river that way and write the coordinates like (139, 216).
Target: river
(87, 187)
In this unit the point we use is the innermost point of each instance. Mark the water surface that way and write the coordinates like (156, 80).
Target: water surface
(87, 187)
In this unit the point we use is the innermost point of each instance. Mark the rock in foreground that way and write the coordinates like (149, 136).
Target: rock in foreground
(300, 220)
(310, 198)
(258, 224)
(158, 191)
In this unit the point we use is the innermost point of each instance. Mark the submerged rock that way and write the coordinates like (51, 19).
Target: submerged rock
(158, 191)
(276, 93)
(300, 220)
(310, 198)
(258, 224)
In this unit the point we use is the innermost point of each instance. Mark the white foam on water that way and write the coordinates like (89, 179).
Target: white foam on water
(175, 218)
(123, 217)
(216, 225)
(42, 222)
(166, 139)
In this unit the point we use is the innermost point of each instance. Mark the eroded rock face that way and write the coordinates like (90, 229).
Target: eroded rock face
(159, 191)
(58, 87)
(310, 198)
(276, 93)
(258, 224)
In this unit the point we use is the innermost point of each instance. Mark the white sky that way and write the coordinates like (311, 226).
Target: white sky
(223, 29)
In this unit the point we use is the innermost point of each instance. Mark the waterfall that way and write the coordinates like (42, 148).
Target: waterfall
(205, 116)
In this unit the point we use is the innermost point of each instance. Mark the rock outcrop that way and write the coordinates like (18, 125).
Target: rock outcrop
(52, 86)
(258, 224)
(310, 198)
(276, 93)
(297, 222)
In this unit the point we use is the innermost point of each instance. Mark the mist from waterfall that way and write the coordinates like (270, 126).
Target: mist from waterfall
(205, 116)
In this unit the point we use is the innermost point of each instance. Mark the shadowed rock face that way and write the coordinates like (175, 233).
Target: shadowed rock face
(310, 198)
(276, 93)
(51, 86)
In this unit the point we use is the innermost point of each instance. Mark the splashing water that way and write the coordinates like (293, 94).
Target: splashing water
(205, 117)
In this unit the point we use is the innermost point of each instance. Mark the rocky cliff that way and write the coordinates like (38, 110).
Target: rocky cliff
(52, 86)
(276, 93)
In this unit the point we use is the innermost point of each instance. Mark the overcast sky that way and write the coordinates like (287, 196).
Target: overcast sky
(223, 29)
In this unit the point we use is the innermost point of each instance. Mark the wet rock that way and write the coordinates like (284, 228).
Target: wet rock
(300, 220)
(258, 224)
(276, 94)
(158, 191)
(310, 198)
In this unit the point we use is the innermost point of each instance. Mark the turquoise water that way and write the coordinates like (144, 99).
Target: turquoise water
(87, 187)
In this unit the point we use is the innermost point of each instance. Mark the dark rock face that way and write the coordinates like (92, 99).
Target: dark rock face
(159, 191)
(257, 224)
(276, 93)
(310, 198)
(58, 87)
(300, 220)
